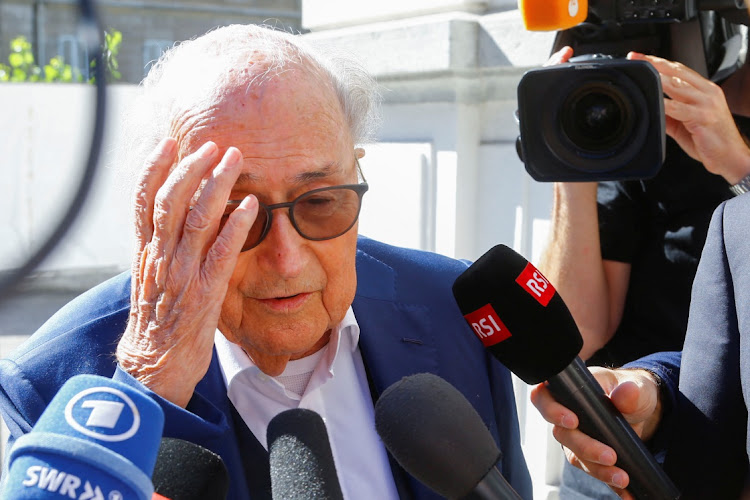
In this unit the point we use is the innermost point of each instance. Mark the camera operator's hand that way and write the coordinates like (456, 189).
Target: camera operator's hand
(634, 392)
(559, 57)
(699, 119)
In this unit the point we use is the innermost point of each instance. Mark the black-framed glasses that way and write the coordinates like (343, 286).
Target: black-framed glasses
(320, 214)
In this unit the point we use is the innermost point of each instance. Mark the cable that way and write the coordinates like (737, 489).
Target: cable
(90, 34)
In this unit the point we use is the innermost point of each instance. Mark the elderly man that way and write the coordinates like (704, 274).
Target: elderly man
(250, 291)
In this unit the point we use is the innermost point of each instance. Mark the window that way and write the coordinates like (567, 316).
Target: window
(73, 53)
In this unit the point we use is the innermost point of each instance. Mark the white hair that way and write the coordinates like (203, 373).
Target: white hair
(194, 73)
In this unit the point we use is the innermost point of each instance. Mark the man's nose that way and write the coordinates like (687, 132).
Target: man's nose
(282, 246)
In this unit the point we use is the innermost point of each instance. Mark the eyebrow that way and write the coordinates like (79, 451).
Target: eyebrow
(301, 178)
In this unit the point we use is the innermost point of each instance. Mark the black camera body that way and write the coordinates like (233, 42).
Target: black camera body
(601, 116)
(594, 118)
(658, 11)
(624, 11)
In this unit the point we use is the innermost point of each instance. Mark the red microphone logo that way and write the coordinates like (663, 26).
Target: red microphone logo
(536, 285)
(487, 325)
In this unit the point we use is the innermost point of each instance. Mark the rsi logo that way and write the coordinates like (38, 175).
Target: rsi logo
(103, 413)
(536, 285)
(64, 484)
(487, 325)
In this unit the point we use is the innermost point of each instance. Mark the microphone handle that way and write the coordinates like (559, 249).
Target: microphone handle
(493, 486)
(576, 388)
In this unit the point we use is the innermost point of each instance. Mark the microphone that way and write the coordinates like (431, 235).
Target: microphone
(552, 15)
(97, 440)
(436, 435)
(187, 471)
(300, 457)
(524, 323)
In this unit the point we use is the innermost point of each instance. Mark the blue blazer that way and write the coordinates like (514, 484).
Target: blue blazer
(409, 324)
(705, 433)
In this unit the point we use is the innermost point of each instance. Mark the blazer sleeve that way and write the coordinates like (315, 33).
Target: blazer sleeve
(706, 455)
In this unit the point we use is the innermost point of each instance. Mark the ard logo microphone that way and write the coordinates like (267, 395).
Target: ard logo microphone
(97, 440)
(103, 413)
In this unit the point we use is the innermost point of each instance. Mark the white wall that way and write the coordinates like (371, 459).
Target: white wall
(44, 142)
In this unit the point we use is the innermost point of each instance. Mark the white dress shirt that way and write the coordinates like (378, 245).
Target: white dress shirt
(337, 390)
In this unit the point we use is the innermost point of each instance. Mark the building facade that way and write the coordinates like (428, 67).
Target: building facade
(148, 27)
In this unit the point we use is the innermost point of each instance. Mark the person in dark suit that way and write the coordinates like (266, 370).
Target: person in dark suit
(250, 291)
(689, 406)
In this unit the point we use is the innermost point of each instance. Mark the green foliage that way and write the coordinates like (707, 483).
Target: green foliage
(58, 71)
(110, 51)
(21, 60)
(21, 66)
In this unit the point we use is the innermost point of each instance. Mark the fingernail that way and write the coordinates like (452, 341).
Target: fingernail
(568, 422)
(607, 458)
(232, 156)
(167, 145)
(619, 480)
(248, 200)
(207, 150)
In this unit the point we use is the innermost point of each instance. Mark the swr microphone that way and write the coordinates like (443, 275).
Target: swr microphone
(552, 15)
(187, 471)
(437, 436)
(300, 456)
(96, 440)
(523, 322)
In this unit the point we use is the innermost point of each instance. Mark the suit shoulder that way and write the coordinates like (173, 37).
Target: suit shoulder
(420, 260)
(389, 272)
(79, 338)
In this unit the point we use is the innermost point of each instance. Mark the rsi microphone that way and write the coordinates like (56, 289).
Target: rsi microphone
(300, 457)
(187, 471)
(552, 15)
(97, 440)
(436, 435)
(524, 323)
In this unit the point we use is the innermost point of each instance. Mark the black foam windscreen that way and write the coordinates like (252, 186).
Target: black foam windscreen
(301, 460)
(187, 471)
(435, 434)
(517, 314)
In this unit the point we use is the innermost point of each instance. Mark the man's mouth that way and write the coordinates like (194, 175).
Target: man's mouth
(286, 303)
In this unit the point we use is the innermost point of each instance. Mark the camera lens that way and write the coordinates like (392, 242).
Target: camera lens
(597, 118)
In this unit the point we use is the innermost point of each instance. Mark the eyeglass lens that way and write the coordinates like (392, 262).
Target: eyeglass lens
(320, 214)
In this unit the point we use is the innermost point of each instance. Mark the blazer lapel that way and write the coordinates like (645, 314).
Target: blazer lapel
(242, 453)
(395, 342)
(395, 335)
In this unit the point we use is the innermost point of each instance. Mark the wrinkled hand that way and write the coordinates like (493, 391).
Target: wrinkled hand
(634, 392)
(181, 267)
(699, 119)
